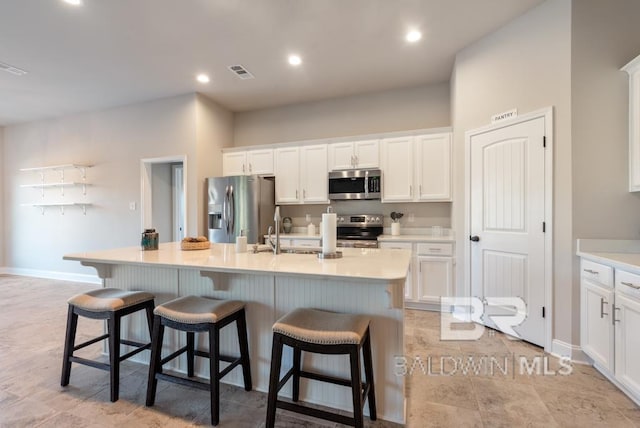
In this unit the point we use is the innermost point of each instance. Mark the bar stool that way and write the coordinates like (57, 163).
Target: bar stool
(109, 304)
(193, 314)
(322, 332)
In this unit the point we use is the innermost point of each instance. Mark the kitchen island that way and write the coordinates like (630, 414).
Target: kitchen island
(363, 281)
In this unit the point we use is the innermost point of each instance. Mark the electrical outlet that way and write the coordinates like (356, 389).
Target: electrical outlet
(132, 206)
(411, 218)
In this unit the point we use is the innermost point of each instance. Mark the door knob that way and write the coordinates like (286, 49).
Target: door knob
(474, 238)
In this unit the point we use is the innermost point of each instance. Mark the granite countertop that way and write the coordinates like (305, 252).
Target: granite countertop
(378, 265)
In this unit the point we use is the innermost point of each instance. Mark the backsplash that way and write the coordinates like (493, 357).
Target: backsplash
(425, 214)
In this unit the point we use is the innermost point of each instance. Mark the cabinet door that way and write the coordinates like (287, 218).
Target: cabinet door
(287, 160)
(435, 279)
(433, 167)
(341, 156)
(233, 163)
(627, 350)
(409, 294)
(306, 242)
(596, 327)
(367, 154)
(260, 162)
(314, 176)
(397, 168)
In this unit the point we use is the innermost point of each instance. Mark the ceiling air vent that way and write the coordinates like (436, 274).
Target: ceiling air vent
(11, 69)
(241, 72)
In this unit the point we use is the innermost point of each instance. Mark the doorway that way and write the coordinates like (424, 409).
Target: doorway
(164, 193)
(508, 252)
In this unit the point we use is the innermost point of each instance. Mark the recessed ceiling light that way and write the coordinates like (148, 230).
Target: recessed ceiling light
(295, 60)
(73, 2)
(413, 36)
(202, 78)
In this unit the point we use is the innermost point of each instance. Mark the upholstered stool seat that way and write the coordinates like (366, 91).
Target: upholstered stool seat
(110, 304)
(193, 314)
(322, 332)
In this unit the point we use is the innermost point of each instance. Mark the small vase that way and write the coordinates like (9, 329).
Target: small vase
(395, 229)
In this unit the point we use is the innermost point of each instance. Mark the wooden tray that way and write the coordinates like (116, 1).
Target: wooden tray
(188, 246)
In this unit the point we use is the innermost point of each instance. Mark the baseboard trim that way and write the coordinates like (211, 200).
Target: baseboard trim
(47, 274)
(564, 349)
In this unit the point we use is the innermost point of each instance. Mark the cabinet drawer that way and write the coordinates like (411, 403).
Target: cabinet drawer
(597, 272)
(396, 245)
(628, 283)
(305, 242)
(435, 249)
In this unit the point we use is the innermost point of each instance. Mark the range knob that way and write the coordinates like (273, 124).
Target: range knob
(378, 219)
(341, 219)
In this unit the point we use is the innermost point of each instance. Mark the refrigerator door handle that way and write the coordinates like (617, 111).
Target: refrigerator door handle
(225, 208)
(232, 210)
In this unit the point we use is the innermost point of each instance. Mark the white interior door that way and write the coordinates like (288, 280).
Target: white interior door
(507, 214)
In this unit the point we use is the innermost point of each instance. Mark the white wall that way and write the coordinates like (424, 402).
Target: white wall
(162, 201)
(395, 110)
(605, 36)
(114, 141)
(2, 199)
(524, 65)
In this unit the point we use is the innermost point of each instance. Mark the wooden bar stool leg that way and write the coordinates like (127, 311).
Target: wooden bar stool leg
(368, 371)
(214, 372)
(356, 386)
(274, 379)
(113, 326)
(190, 352)
(69, 344)
(149, 312)
(297, 357)
(241, 324)
(154, 362)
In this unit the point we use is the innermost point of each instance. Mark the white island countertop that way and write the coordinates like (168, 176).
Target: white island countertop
(356, 264)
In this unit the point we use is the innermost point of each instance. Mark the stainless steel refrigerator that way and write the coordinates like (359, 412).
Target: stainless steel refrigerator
(241, 203)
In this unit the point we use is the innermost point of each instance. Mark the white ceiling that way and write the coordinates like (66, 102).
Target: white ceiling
(116, 52)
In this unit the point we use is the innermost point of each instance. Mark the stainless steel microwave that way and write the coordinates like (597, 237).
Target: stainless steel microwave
(355, 184)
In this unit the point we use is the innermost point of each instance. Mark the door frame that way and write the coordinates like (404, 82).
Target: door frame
(179, 204)
(146, 187)
(547, 114)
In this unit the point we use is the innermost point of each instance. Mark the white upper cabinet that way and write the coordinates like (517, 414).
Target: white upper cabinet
(397, 169)
(416, 168)
(259, 161)
(301, 175)
(633, 68)
(433, 167)
(354, 155)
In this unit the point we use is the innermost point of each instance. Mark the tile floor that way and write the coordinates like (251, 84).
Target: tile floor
(440, 393)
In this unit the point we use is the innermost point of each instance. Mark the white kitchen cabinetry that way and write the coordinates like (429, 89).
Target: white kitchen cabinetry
(351, 155)
(409, 294)
(610, 313)
(633, 69)
(259, 162)
(301, 175)
(417, 168)
(596, 331)
(431, 272)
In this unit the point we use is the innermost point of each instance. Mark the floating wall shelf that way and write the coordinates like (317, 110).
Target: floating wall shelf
(62, 184)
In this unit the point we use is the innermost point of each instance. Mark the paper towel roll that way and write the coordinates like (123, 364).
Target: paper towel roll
(329, 232)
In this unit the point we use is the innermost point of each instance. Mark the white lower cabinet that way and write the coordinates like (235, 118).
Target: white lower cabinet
(431, 272)
(610, 313)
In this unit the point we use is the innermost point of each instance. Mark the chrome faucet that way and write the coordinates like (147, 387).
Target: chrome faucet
(275, 245)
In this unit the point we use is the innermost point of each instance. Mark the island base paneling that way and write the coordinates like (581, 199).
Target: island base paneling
(267, 297)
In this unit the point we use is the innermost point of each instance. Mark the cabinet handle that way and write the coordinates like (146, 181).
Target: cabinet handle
(628, 284)
(304, 194)
(420, 190)
(242, 167)
(250, 168)
(353, 163)
(356, 159)
(296, 193)
(602, 303)
(435, 249)
(592, 272)
(410, 190)
(614, 314)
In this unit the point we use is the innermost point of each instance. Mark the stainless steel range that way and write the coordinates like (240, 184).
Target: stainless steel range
(359, 231)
